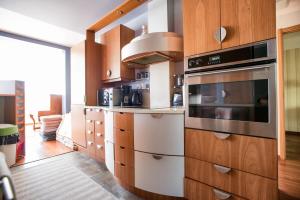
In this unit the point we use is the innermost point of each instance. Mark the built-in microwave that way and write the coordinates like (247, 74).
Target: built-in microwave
(235, 96)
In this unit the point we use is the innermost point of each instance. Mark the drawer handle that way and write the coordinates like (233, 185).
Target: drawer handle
(157, 157)
(221, 169)
(89, 110)
(98, 110)
(122, 164)
(122, 147)
(99, 146)
(98, 122)
(156, 116)
(122, 130)
(99, 134)
(90, 132)
(89, 121)
(121, 113)
(222, 136)
(221, 195)
(90, 143)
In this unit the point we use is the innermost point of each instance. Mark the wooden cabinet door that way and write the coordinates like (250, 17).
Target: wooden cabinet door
(247, 21)
(113, 41)
(201, 19)
(246, 153)
(194, 190)
(247, 185)
(78, 125)
(111, 54)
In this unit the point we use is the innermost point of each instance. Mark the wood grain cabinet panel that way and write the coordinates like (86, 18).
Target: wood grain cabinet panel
(197, 191)
(240, 183)
(113, 41)
(201, 19)
(90, 130)
(247, 21)
(94, 114)
(100, 150)
(250, 154)
(124, 155)
(123, 138)
(123, 121)
(78, 125)
(124, 173)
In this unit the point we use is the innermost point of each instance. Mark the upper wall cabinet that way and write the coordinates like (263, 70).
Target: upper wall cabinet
(201, 18)
(242, 22)
(113, 41)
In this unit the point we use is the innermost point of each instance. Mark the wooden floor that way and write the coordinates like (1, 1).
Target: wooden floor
(37, 149)
(289, 170)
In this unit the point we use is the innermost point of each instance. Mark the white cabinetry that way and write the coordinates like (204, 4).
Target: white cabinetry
(159, 133)
(109, 141)
(159, 153)
(159, 174)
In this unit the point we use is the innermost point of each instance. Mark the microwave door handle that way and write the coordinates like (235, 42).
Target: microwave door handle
(228, 70)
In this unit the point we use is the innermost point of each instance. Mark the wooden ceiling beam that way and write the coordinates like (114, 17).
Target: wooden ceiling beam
(117, 13)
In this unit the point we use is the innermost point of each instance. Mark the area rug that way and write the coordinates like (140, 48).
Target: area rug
(52, 180)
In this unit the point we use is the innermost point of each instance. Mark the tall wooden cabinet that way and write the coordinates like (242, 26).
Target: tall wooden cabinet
(85, 73)
(245, 21)
(113, 41)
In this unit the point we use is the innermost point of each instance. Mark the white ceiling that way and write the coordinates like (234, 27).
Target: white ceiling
(69, 18)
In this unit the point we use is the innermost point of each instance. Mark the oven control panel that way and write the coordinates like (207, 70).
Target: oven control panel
(231, 56)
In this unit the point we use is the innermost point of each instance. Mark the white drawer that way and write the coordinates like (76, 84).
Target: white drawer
(109, 156)
(109, 126)
(159, 133)
(159, 174)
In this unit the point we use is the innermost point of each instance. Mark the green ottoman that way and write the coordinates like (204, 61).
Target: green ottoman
(9, 137)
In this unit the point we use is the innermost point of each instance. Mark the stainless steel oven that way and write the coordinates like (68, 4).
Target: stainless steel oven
(231, 92)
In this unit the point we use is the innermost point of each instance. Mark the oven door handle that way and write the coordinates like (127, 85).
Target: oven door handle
(228, 70)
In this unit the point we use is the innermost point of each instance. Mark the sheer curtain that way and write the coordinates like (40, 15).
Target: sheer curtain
(41, 67)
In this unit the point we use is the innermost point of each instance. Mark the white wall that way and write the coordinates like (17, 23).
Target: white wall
(287, 13)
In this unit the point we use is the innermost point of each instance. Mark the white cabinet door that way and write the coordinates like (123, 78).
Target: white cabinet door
(109, 156)
(109, 126)
(159, 133)
(159, 174)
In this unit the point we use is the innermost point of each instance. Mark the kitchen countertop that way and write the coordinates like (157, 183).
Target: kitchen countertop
(172, 110)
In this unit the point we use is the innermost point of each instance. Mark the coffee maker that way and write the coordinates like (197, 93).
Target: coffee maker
(125, 95)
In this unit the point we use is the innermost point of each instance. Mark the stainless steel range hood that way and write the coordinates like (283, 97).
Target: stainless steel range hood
(152, 48)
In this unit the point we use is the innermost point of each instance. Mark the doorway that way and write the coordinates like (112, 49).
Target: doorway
(41, 67)
(289, 111)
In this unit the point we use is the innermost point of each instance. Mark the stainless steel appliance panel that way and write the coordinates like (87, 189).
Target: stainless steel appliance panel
(236, 100)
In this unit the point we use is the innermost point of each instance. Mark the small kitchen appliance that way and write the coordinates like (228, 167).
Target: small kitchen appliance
(103, 97)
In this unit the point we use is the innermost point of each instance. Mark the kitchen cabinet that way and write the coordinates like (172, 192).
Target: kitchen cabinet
(95, 133)
(85, 73)
(201, 18)
(198, 191)
(109, 156)
(78, 125)
(240, 165)
(251, 154)
(113, 41)
(240, 183)
(159, 133)
(109, 141)
(245, 21)
(159, 174)
(124, 154)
